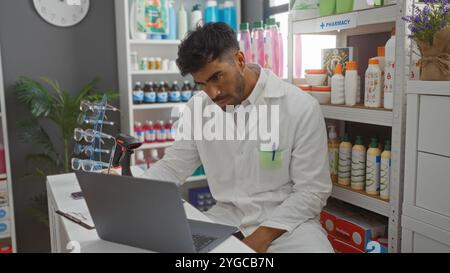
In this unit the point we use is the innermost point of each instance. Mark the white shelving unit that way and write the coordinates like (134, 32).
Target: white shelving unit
(359, 114)
(11, 238)
(368, 21)
(127, 77)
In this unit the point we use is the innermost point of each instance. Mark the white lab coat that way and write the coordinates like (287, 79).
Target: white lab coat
(248, 196)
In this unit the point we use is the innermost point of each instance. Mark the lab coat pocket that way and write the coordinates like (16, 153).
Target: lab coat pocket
(271, 160)
(273, 171)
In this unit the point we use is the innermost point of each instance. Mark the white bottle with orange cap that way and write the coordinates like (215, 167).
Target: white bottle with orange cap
(337, 86)
(373, 95)
(351, 83)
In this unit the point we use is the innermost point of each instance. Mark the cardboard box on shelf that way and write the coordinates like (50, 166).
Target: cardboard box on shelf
(4, 229)
(5, 249)
(332, 56)
(3, 193)
(351, 225)
(4, 213)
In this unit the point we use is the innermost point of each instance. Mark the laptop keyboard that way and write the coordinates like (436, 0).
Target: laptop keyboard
(201, 241)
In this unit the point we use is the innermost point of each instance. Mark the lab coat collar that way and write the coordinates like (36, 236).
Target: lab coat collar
(274, 87)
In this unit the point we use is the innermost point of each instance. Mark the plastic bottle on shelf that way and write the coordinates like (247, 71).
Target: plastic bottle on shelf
(373, 168)
(385, 171)
(229, 14)
(138, 94)
(373, 95)
(345, 161)
(258, 43)
(139, 131)
(220, 13)
(271, 44)
(161, 134)
(149, 93)
(172, 35)
(333, 153)
(381, 57)
(196, 90)
(211, 12)
(155, 86)
(196, 17)
(140, 160)
(162, 95)
(281, 52)
(150, 133)
(2, 159)
(338, 86)
(360, 4)
(245, 41)
(182, 21)
(351, 83)
(171, 131)
(175, 94)
(186, 92)
(358, 173)
(154, 156)
(389, 73)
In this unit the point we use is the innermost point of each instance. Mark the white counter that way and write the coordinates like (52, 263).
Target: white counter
(64, 231)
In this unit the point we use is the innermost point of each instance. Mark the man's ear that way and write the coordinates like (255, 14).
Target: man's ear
(240, 60)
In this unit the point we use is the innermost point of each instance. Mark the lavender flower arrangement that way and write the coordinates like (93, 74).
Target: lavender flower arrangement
(425, 23)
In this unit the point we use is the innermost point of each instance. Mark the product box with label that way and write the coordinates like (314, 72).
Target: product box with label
(351, 225)
(333, 56)
(5, 229)
(4, 213)
(3, 193)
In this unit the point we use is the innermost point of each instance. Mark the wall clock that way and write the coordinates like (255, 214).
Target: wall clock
(62, 13)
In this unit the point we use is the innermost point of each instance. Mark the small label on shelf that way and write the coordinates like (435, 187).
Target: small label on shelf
(336, 22)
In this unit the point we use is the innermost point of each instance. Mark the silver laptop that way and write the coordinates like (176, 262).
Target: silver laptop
(146, 214)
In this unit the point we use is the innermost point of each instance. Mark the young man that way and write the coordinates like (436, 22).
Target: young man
(274, 196)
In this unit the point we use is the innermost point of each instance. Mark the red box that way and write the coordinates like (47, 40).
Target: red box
(7, 249)
(352, 226)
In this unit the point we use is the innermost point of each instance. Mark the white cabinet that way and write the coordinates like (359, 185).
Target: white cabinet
(426, 207)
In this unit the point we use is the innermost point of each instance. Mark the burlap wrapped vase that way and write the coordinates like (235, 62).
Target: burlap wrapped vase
(435, 61)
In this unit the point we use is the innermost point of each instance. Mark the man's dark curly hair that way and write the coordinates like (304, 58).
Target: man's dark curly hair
(204, 45)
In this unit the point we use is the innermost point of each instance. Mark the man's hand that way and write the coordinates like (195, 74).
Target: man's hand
(261, 239)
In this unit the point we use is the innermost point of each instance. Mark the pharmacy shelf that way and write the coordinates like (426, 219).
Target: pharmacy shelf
(158, 145)
(359, 114)
(3, 176)
(158, 106)
(196, 178)
(155, 42)
(361, 199)
(5, 237)
(385, 14)
(155, 72)
(439, 88)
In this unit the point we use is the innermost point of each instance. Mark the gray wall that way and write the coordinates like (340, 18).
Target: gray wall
(73, 56)
(252, 10)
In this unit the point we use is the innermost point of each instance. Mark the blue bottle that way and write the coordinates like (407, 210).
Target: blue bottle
(220, 13)
(229, 15)
(211, 12)
(172, 35)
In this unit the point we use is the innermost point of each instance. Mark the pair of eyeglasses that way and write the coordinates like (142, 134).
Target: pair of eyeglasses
(84, 119)
(89, 135)
(88, 150)
(86, 106)
(88, 165)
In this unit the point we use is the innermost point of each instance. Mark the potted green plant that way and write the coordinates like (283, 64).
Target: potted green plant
(58, 108)
(431, 31)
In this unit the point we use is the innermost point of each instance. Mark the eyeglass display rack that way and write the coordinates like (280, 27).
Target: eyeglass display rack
(97, 118)
(127, 77)
(375, 20)
(7, 241)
